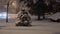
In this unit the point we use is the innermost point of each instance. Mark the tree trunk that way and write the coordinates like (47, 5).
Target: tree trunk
(43, 16)
(38, 17)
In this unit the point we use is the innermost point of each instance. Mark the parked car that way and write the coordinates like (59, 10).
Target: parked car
(55, 17)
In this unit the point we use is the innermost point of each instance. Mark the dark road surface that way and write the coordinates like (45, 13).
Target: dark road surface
(38, 27)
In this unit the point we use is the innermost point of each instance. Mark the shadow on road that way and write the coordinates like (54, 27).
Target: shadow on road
(2, 26)
(39, 25)
(57, 33)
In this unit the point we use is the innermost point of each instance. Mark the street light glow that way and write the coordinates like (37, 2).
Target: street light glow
(14, 4)
(3, 15)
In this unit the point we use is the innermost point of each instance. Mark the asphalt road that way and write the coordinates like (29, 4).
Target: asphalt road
(38, 27)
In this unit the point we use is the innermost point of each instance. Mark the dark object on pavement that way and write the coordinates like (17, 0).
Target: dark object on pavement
(25, 20)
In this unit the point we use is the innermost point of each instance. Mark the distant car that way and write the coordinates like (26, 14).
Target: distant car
(55, 17)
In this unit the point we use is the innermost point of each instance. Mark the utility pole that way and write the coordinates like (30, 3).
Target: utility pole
(7, 11)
